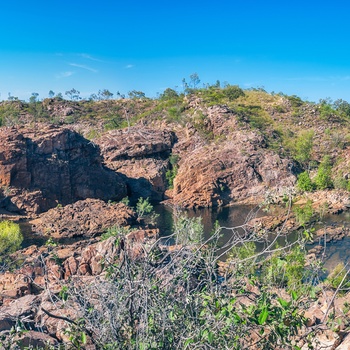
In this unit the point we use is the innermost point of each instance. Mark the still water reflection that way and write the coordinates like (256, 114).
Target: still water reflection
(333, 254)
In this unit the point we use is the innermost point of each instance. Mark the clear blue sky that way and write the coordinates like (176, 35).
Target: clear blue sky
(299, 47)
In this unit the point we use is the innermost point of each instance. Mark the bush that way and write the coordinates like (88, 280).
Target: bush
(176, 299)
(232, 92)
(303, 146)
(115, 231)
(323, 178)
(326, 111)
(10, 238)
(304, 182)
(172, 172)
(168, 94)
(286, 269)
(304, 213)
(143, 207)
(338, 277)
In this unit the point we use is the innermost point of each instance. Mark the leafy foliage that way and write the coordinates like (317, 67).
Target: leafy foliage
(143, 207)
(304, 213)
(303, 146)
(167, 299)
(172, 172)
(10, 238)
(304, 182)
(323, 178)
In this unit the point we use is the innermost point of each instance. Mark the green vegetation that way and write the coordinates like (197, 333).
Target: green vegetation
(143, 207)
(304, 213)
(115, 231)
(182, 301)
(303, 146)
(323, 178)
(304, 182)
(172, 172)
(10, 238)
(339, 277)
(286, 269)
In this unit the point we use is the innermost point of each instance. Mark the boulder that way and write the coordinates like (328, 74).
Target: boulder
(86, 218)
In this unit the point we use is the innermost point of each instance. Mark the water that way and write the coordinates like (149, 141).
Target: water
(334, 252)
(229, 217)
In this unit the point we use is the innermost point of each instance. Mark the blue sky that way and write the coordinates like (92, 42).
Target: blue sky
(296, 48)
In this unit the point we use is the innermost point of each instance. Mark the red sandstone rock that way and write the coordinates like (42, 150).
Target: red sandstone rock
(84, 218)
(48, 165)
(141, 154)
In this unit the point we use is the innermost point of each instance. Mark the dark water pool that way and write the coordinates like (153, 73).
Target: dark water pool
(333, 254)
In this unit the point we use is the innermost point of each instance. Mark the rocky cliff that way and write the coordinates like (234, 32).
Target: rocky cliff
(142, 155)
(44, 166)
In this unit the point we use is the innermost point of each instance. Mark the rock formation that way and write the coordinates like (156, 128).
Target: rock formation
(237, 167)
(141, 154)
(46, 165)
(86, 218)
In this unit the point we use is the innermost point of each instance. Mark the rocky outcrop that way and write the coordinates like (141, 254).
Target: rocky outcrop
(46, 165)
(86, 218)
(236, 170)
(141, 154)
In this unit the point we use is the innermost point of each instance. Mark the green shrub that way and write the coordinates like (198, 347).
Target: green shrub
(304, 182)
(115, 231)
(143, 207)
(10, 237)
(295, 101)
(125, 201)
(172, 172)
(285, 269)
(335, 278)
(188, 230)
(168, 94)
(232, 92)
(326, 111)
(304, 213)
(323, 178)
(341, 183)
(303, 146)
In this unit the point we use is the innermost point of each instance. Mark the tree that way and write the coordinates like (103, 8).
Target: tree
(105, 94)
(73, 94)
(169, 94)
(323, 178)
(134, 94)
(34, 98)
(12, 98)
(342, 106)
(51, 94)
(35, 107)
(59, 96)
(194, 80)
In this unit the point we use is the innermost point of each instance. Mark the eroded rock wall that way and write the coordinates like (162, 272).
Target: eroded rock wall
(47, 165)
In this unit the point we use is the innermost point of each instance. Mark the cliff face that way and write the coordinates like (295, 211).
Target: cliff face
(234, 166)
(141, 154)
(50, 165)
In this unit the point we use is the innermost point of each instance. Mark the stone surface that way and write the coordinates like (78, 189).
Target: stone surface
(141, 154)
(84, 218)
(47, 165)
(33, 339)
(215, 175)
(226, 162)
